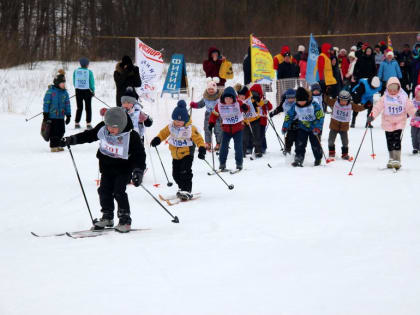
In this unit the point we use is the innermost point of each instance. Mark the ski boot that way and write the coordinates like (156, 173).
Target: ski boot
(222, 168)
(55, 149)
(297, 163)
(76, 126)
(317, 162)
(239, 167)
(415, 151)
(107, 220)
(391, 160)
(124, 223)
(345, 154)
(331, 152)
(184, 195)
(397, 160)
(88, 126)
(258, 155)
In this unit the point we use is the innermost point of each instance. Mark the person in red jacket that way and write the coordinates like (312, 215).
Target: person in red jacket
(229, 110)
(344, 62)
(211, 66)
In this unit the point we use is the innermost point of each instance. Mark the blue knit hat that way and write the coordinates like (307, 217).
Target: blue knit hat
(315, 87)
(84, 62)
(228, 92)
(180, 112)
(290, 93)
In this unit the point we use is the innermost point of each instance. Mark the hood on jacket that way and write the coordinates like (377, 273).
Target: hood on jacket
(257, 88)
(325, 48)
(393, 80)
(211, 50)
(229, 91)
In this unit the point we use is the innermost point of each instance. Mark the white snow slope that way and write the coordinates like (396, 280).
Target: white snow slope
(284, 241)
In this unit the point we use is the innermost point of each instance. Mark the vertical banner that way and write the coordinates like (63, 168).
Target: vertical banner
(150, 63)
(311, 77)
(176, 78)
(261, 62)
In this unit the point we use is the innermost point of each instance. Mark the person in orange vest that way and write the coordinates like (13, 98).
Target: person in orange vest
(325, 72)
(279, 58)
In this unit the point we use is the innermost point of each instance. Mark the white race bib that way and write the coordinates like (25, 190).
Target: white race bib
(114, 146)
(180, 136)
(342, 113)
(395, 105)
(81, 80)
(252, 113)
(306, 113)
(231, 114)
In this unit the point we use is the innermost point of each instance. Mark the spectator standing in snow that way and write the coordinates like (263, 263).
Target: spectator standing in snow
(389, 68)
(211, 65)
(379, 57)
(365, 66)
(84, 83)
(126, 75)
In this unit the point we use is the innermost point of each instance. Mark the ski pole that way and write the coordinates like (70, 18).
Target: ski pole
(163, 167)
(275, 130)
(355, 159)
(81, 186)
(373, 155)
(229, 186)
(175, 218)
(28, 119)
(323, 153)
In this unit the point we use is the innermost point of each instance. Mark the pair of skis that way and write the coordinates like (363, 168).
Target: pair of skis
(174, 200)
(231, 172)
(84, 233)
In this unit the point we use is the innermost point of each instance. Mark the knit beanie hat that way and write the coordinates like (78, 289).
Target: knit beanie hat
(129, 96)
(212, 83)
(390, 53)
(60, 77)
(116, 117)
(301, 48)
(243, 91)
(302, 94)
(316, 87)
(375, 82)
(84, 62)
(180, 112)
(290, 93)
(352, 55)
(228, 92)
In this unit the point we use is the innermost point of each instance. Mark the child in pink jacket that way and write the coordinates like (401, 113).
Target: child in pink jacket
(394, 106)
(415, 122)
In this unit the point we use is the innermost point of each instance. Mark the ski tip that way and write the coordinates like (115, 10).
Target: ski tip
(156, 185)
(34, 234)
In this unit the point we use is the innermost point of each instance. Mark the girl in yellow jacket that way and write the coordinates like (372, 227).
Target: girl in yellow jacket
(183, 137)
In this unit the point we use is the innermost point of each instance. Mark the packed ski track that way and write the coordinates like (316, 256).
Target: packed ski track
(285, 240)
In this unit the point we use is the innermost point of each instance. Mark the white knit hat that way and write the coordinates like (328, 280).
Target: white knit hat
(212, 83)
(353, 48)
(390, 53)
(375, 82)
(301, 48)
(352, 54)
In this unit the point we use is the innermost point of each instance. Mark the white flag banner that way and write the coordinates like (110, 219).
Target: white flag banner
(150, 63)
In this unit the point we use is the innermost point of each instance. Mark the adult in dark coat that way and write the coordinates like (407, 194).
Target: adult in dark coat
(126, 75)
(211, 66)
(287, 69)
(247, 67)
(365, 66)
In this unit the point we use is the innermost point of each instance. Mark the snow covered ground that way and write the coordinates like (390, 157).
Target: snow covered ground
(284, 241)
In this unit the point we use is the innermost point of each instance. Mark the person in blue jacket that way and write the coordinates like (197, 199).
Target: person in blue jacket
(310, 117)
(362, 94)
(56, 107)
(388, 68)
(84, 83)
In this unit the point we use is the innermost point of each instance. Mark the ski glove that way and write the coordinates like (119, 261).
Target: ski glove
(67, 141)
(244, 107)
(155, 142)
(67, 119)
(148, 122)
(201, 153)
(137, 177)
(284, 130)
(46, 116)
(193, 105)
(102, 112)
(211, 126)
(316, 131)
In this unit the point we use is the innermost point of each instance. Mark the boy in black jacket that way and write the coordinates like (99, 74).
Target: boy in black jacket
(121, 158)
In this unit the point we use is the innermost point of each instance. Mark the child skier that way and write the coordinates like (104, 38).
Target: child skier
(340, 123)
(230, 110)
(210, 98)
(288, 99)
(316, 93)
(183, 137)
(310, 120)
(121, 158)
(415, 122)
(56, 107)
(266, 108)
(84, 83)
(394, 106)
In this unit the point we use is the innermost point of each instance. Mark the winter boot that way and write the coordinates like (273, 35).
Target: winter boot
(239, 167)
(317, 162)
(222, 167)
(107, 220)
(331, 152)
(415, 151)
(124, 224)
(184, 195)
(60, 149)
(88, 126)
(258, 155)
(55, 150)
(391, 159)
(76, 126)
(345, 153)
(397, 160)
(298, 162)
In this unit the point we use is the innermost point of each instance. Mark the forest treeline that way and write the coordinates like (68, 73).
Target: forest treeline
(36, 30)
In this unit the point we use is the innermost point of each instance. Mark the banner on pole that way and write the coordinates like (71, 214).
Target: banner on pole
(150, 63)
(261, 62)
(176, 81)
(311, 76)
